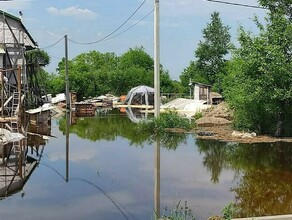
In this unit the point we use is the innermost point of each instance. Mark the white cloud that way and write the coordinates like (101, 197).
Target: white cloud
(73, 11)
(14, 5)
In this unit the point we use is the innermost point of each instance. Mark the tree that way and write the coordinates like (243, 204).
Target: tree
(212, 50)
(259, 83)
(191, 73)
(278, 6)
(95, 73)
(38, 56)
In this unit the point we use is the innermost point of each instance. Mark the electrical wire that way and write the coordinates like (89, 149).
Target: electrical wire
(130, 26)
(110, 34)
(236, 4)
(92, 184)
(52, 45)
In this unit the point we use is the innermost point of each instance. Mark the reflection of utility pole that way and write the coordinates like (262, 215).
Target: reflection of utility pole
(156, 60)
(66, 74)
(157, 180)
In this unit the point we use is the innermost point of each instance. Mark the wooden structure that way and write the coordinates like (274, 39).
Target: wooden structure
(84, 109)
(201, 91)
(15, 41)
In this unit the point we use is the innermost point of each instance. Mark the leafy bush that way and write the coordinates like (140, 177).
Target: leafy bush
(170, 119)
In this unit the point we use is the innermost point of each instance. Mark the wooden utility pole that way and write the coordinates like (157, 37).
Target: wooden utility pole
(156, 60)
(66, 74)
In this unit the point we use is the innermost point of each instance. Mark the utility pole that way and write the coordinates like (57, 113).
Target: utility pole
(66, 74)
(157, 107)
(156, 60)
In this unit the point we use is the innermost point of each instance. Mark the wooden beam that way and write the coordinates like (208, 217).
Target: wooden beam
(8, 100)
(7, 119)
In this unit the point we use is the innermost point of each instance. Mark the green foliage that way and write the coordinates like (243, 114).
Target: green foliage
(259, 82)
(211, 52)
(209, 68)
(170, 119)
(38, 57)
(180, 212)
(95, 73)
(115, 125)
(193, 73)
(278, 6)
(198, 115)
(228, 211)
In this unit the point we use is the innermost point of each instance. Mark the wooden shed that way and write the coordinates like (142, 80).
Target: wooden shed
(201, 91)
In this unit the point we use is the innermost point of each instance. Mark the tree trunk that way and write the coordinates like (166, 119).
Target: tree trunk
(280, 124)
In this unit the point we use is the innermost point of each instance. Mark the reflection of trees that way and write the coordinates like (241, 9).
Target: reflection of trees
(264, 192)
(265, 187)
(215, 157)
(111, 126)
(265, 184)
(104, 127)
(169, 140)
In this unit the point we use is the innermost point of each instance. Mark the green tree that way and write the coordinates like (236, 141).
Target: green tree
(278, 6)
(191, 73)
(136, 67)
(259, 83)
(95, 73)
(212, 50)
(38, 57)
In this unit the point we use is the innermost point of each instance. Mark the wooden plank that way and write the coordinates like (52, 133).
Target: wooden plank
(8, 100)
(135, 106)
(7, 119)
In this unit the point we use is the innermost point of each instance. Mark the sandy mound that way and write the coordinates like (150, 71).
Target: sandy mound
(212, 121)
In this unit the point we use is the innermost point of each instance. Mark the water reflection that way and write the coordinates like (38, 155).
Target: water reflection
(157, 179)
(214, 157)
(19, 160)
(118, 173)
(260, 171)
(111, 125)
(136, 115)
(263, 175)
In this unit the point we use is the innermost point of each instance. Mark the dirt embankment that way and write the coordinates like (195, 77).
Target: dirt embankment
(216, 124)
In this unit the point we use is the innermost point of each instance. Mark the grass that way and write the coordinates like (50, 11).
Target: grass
(180, 212)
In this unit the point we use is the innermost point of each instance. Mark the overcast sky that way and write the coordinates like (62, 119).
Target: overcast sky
(85, 21)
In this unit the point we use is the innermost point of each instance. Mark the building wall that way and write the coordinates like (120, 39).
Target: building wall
(202, 93)
(196, 92)
(6, 37)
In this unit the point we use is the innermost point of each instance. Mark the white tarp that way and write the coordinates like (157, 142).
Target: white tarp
(7, 136)
(141, 95)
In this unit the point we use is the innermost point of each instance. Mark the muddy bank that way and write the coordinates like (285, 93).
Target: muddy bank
(216, 124)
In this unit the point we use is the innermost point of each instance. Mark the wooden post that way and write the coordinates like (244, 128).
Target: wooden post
(19, 98)
(20, 161)
(19, 80)
(2, 94)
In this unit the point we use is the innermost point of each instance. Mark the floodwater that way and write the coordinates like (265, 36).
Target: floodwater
(102, 168)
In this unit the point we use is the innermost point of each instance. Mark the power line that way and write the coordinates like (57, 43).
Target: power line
(47, 47)
(130, 26)
(236, 4)
(118, 28)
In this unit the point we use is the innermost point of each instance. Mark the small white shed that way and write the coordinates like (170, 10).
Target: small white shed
(201, 91)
